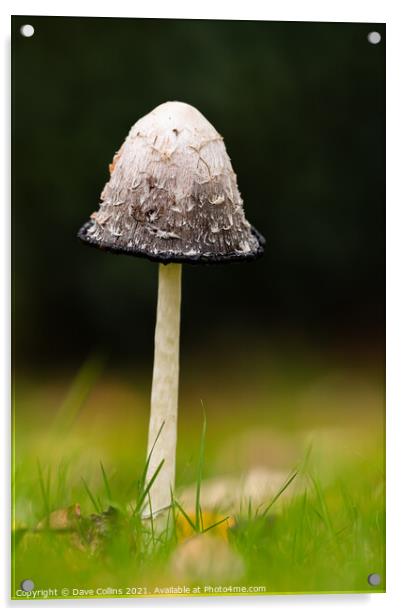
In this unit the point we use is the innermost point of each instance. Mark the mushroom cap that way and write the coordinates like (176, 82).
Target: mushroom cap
(172, 195)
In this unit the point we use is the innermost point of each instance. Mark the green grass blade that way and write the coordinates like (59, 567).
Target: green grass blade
(135, 483)
(200, 469)
(279, 493)
(216, 524)
(148, 487)
(299, 530)
(106, 483)
(96, 504)
(307, 459)
(151, 520)
(323, 506)
(48, 487)
(167, 527)
(174, 518)
(45, 489)
(145, 470)
(187, 517)
(201, 521)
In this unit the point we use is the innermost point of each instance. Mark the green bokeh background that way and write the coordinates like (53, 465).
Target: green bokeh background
(301, 108)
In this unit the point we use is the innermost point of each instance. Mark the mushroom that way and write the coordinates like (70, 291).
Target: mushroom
(172, 197)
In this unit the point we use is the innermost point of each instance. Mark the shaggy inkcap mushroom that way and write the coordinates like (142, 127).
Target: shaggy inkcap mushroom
(172, 197)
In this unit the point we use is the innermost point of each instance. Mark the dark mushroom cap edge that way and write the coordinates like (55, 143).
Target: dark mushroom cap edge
(168, 257)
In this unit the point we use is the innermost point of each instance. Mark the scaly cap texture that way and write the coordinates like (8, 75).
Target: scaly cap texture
(172, 195)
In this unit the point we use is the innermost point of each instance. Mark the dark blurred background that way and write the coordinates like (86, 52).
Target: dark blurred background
(301, 109)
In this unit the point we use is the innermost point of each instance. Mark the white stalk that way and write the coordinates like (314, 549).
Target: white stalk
(165, 383)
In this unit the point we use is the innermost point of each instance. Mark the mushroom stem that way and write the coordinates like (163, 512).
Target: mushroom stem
(164, 396)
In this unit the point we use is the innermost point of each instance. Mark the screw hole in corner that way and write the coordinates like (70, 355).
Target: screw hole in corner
(374, 38)
(374, 579)
(27, 30)
(27, 585)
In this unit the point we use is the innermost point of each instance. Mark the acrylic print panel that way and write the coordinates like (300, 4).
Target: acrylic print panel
(270, 477)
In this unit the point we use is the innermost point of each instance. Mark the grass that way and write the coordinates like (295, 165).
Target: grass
(321, 531)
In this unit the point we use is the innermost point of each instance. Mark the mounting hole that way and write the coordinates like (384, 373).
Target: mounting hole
(27, 585)
(27, 30)
(374, 579)
(374, 38)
